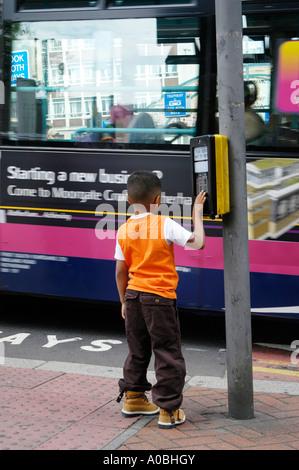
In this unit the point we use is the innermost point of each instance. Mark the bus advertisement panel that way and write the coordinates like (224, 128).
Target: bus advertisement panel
(288, 77)
(59, 217)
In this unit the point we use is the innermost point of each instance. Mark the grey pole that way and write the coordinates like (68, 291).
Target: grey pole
(235, 225)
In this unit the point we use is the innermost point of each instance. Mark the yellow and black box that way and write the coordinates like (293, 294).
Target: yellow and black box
(209, 160)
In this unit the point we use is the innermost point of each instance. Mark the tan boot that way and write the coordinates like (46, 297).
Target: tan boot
(136, 403)
(170, 420)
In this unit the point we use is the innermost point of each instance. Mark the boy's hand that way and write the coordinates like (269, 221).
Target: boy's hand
(197, 239)
(123, 310)
(201, 198)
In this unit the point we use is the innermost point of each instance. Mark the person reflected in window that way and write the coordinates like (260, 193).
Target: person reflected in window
(120, 117)
(254, 125)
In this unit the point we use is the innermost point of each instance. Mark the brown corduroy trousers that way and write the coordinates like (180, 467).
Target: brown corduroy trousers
(152, 325)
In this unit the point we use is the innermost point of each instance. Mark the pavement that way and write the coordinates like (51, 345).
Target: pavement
(67, 406)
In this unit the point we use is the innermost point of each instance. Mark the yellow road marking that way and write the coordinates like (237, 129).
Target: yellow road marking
(276, 371)
(279, 363)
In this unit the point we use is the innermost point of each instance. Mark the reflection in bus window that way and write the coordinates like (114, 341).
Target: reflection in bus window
(273, 199)
(271, 68)
(66, 76)
(73, 77)
(254, 125)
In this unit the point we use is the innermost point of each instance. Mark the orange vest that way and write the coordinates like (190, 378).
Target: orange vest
(148, 256)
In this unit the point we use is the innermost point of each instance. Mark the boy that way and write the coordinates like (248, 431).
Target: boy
(148, 300)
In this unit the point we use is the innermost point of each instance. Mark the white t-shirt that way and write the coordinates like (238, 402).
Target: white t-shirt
(173, 233)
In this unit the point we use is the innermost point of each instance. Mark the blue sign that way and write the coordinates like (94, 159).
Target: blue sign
(173, 101)
(19, 66)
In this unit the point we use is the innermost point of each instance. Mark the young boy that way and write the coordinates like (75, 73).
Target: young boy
(144, 248)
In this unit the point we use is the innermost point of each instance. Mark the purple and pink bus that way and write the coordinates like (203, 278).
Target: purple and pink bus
(94, 90)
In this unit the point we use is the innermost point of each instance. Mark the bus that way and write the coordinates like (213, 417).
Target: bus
(92, 90)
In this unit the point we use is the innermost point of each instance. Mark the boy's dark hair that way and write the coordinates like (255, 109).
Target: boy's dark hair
(143, 187)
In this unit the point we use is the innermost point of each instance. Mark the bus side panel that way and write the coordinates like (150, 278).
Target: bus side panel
(93, 279)
(73, 262)
(77, 278)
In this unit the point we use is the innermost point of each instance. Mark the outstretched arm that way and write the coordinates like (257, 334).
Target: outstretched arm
(197, 240)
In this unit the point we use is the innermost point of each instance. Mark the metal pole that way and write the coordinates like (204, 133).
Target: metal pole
(235, 225)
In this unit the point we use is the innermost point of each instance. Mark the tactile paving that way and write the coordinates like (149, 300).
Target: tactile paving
(8, 392)
(26, 432)
(25, 378)
(113, 416)
(46, 410)
(93, 387)
(51, 405)
(80, 436)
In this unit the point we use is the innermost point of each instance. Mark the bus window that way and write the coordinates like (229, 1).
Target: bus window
(121, 82)
(138, 3)
(46, 4)
(269, 122)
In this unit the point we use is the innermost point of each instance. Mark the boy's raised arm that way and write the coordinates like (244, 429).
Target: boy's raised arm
(197, 239)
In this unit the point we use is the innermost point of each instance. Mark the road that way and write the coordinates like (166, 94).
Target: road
(89, 333)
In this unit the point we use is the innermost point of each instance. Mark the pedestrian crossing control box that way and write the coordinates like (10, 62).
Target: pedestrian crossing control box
(209, 160)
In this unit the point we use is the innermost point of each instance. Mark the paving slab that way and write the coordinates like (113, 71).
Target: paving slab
(43, 409)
